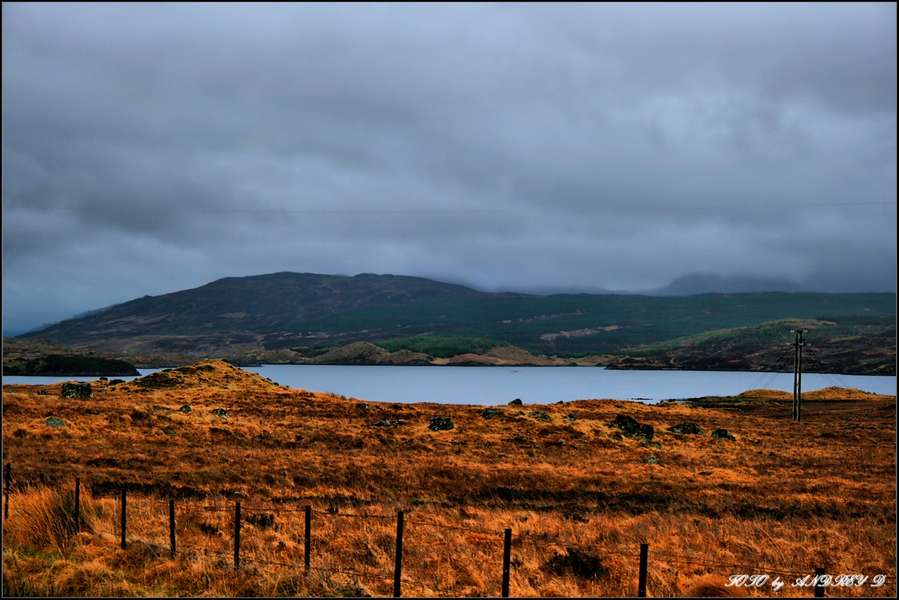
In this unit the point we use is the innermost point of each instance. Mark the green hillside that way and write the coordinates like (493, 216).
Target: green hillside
(274, 313)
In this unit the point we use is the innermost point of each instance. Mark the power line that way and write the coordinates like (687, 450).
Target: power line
(437, 210)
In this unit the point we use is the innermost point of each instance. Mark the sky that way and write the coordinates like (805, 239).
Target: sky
(535, 148)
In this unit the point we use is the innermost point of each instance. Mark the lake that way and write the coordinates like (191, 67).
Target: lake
(533, 385)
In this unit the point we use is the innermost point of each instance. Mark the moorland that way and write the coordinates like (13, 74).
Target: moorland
(579, 488)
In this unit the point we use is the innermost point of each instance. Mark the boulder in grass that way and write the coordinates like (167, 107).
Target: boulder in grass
(687, 428)
(489, 413)
(540, 416)
(55, 422)
(77, 389)
(220, 412)
(441, 424)
(632, 428)
(723, 434)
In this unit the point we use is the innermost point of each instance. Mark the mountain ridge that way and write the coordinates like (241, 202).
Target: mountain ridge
(285, 310)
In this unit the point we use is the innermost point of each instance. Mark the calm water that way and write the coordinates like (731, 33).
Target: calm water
(533, 385)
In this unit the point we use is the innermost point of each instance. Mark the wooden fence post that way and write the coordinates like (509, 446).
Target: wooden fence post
(77, 505)
(507, 555)
(237, 534)
(819, 588)
(7, 479)
(172, 526)
(124, 519)
(398, 564)
(307, 538)
(641, 585)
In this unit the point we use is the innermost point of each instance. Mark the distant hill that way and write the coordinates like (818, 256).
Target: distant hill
(281, 311)
(690, 285)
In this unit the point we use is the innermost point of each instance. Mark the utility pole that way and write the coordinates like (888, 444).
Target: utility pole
(797, 373)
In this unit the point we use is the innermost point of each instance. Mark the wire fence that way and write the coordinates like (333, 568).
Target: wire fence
(818, 583)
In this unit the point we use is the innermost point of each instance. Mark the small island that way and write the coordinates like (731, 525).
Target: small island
(69, 365)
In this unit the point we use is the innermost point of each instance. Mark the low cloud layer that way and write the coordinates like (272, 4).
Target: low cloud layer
(535, 148)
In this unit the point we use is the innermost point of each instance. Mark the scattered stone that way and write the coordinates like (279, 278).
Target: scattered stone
(220, 412)
(489, 413)
(169, 432)
(102, 378)
(55, 422)
(363, 407)
(687, 428)
(516, 402)
(540, 416)
(723, 434)
(75, 389)
(441, 424)
(632, 428)
(652, 460)
(116, 381)
(186, 409)
(389, 422)
(616, 436)
(570, 418)
(655, 445)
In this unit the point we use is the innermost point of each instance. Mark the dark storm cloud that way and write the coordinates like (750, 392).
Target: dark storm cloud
(148, 148)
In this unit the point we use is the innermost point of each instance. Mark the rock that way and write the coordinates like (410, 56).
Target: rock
(632, 428)
(169, 432)
(75, 389)
(616, 436)
(540, 416)
(655, 445)
(116, 381)
(723, 434)
(55, 422)
(489, 413)
(185, 409)
(441, 424)
(363, 407)
(388, 422)
(516, 402)
(652, 460)
(687, 428)
(220, 412)
(570, 418)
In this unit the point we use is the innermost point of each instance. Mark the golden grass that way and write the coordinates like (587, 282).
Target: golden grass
(828, 393)
(784, 498)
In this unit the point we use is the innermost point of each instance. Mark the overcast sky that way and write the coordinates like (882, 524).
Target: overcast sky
(534, 148)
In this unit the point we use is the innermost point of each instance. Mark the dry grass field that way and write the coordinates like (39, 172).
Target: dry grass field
(580, 496)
